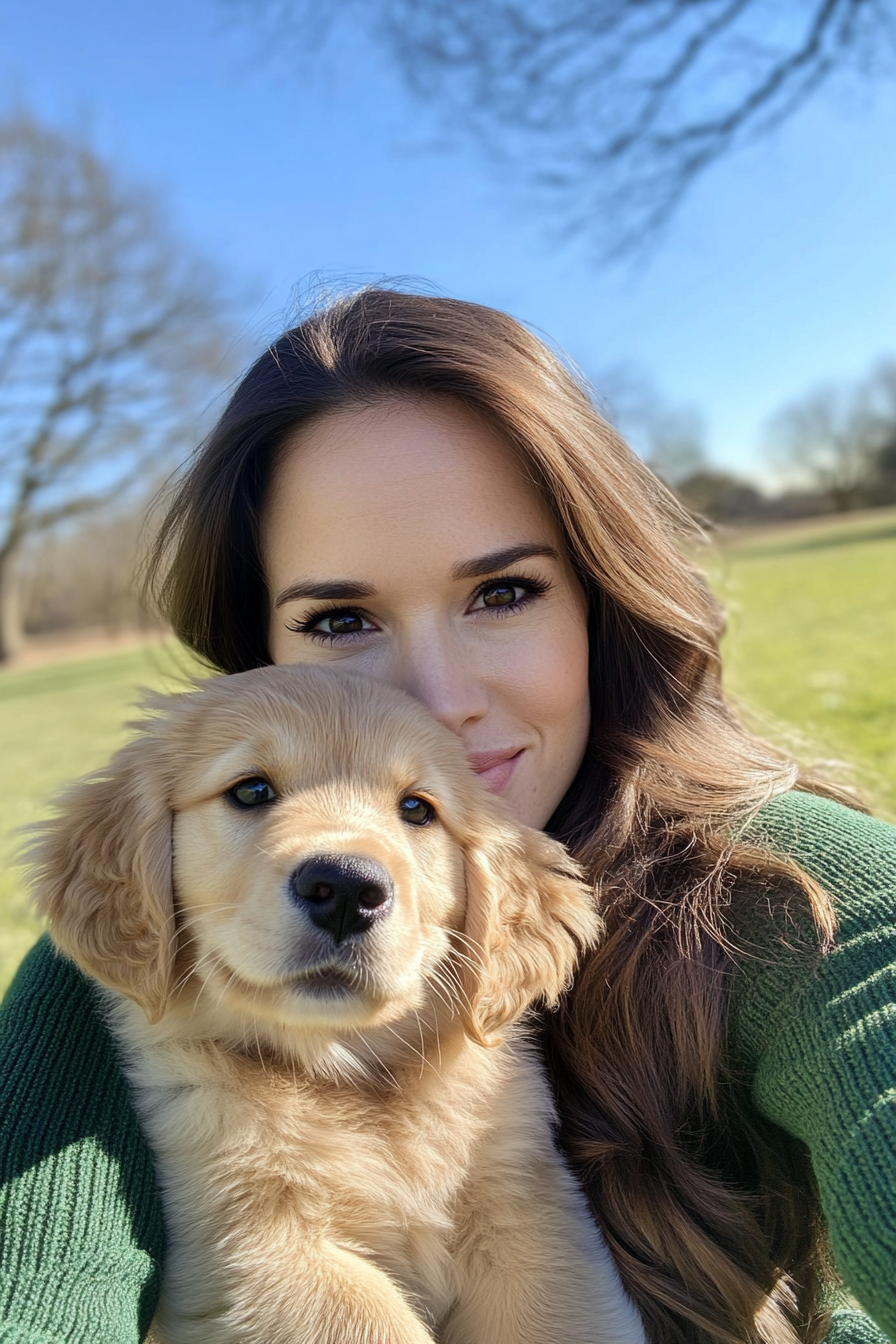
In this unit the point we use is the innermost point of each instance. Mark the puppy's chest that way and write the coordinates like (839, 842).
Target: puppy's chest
(247, 1157)
(385, 1172)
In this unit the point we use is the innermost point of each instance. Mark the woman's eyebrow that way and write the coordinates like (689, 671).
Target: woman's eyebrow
(339, 590)
(487, 564)
(342, 590)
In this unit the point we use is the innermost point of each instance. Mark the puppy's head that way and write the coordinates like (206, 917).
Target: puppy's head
(307, 850)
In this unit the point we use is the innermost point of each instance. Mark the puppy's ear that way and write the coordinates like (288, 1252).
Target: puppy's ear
(102, 875)
(529, 915)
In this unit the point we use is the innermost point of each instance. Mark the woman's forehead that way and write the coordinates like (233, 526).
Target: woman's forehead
(395, 479)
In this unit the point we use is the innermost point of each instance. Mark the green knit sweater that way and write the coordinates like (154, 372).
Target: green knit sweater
(81, 1238)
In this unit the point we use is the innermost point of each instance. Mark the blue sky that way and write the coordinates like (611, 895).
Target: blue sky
(779, 273)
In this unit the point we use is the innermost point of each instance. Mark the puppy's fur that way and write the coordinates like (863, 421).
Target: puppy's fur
(342, 1156)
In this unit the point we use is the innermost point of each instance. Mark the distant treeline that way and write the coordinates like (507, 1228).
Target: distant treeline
(836, 445)
(86, 577)
(725, 498)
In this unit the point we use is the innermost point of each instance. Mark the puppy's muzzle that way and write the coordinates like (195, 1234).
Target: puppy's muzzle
(342, 894)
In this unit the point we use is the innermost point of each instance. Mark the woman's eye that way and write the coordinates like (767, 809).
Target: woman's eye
(502, 595)
(340, 623)
(252, 793)
(331, 624)
(510, 594)
(416, 811)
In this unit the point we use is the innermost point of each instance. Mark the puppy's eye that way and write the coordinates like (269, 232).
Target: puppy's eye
(416, 810)
(252, 793)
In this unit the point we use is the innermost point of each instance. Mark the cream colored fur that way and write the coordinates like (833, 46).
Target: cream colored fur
(370, 1163)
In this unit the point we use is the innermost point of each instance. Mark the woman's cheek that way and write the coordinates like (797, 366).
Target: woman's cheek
(539, 688)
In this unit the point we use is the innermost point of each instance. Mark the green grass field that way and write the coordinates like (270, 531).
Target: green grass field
(811, 643)
(58, 722)
(810, 650)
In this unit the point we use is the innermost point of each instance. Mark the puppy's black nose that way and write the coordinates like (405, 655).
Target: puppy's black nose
(342, 893)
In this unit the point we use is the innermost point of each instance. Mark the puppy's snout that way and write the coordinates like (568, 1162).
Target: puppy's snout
(342, 893)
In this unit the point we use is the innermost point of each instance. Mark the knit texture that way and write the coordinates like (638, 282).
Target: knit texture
(818, 1034)
(80, 1221)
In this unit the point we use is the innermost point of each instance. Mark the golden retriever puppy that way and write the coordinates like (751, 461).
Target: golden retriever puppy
(316, 931)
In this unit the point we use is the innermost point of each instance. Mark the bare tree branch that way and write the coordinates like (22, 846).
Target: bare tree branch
(833, 438)
(611, 109)
(73, 508)
(111, 338)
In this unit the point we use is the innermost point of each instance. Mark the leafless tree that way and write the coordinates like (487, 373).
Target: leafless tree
(832, 440)
(668, 435)
(82, 576)
(611, 107)
(110, 340)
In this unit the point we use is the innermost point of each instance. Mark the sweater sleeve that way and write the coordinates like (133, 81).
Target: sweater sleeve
(80, 1219)
(818, 1035)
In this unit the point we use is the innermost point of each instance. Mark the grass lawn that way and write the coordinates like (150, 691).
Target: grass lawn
(57, 722)
(810, 649)
(811, 642)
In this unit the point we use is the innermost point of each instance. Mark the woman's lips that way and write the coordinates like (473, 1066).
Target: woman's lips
(495, 768)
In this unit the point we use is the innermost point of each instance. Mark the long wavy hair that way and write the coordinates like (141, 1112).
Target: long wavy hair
(711, 1212)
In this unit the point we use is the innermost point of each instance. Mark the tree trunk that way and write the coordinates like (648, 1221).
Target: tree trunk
(11, 634)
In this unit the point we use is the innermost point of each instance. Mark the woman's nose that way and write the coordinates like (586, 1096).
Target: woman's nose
(439, 675)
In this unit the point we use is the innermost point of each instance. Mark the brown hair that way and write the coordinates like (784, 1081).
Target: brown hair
(711, 1212)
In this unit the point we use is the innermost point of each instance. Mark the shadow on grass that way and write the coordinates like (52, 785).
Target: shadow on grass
(828, 541)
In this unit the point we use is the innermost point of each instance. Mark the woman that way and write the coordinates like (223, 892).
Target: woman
(416, 488)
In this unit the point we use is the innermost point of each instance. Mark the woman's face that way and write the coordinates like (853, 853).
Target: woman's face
(403, 541)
